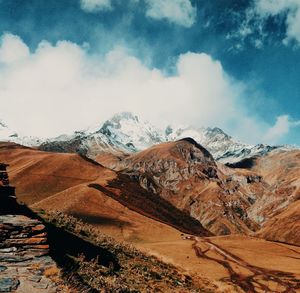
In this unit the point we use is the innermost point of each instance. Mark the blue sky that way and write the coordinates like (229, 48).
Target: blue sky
(233, 64)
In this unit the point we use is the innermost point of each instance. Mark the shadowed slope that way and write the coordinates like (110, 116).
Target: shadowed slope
(60, 181)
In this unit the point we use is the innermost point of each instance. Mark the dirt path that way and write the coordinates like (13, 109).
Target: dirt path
(248, 277)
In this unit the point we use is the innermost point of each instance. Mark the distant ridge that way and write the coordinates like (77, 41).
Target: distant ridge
(127, 133)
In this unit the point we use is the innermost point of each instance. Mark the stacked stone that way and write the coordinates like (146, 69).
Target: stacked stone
(24, 256)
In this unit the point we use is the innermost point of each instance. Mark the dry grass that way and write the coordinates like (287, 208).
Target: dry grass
(51, 272)
(138, 272)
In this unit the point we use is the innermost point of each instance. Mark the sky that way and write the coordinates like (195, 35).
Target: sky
(234, 64)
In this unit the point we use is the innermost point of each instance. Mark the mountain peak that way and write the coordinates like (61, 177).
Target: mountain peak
(218, 131)
(126, 128)
(197, 145)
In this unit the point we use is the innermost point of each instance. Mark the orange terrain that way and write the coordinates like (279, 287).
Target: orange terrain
(116, 204)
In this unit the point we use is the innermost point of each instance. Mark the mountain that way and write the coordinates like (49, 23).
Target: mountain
(186, 174)
(127, 129)
(126, 133)
(152, 203)
(225, 200)
(214, 139)
(82, 142)
(222, 146)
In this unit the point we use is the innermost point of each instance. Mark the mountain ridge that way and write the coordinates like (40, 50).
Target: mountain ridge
(126, 133)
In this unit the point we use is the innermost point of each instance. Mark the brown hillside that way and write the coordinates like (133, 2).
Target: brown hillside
(186, 175)
(88, 190)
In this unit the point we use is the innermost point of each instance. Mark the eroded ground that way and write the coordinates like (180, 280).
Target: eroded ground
(237, 263)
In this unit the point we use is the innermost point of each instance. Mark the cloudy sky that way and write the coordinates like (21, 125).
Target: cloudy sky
(235, 64)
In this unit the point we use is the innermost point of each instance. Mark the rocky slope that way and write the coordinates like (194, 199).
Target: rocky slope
(32, 248)
(185, 174)
(283, 227)
(225, 200)
(280, 210)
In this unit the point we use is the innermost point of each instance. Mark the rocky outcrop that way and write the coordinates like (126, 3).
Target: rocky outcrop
(24, 261)
(225, 200)
(185, 174)
(166, 166)
(25, 264)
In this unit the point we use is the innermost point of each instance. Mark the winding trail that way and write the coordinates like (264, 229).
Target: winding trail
(257, 280)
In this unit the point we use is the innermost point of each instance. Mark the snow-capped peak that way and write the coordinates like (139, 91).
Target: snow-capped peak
(130, 133)
(126, 132)
(127, 129)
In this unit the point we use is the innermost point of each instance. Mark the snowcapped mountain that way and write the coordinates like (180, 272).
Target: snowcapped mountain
(222, 146)
(127, 133)
(215, 140)
(123, 133)
(129, 130)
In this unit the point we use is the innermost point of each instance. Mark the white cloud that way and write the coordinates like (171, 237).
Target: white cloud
(180, 12)
(253, 23)
(12, 49)
(60, 88)
(281, 128)
(266, 8)
(95, 5)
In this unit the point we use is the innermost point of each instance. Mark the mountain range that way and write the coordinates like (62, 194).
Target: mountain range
(195, 198)
(126, 133)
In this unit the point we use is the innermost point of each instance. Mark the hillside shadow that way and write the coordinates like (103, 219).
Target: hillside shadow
(128, 192)
(62, 244)
(99, 220)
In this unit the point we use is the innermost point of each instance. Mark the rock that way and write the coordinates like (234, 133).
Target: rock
(3, 268)
(13, 258)
(8, 284)
(23, 248)
(24, 256)
(10, 249)
(39, 227)
(35, 278)
(41, 285)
